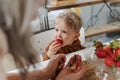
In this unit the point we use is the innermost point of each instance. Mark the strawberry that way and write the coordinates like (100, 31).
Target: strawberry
(109, 62)
(59, 41)
(109, 51)
(117, 54)
(100, 53)
(74, 66)
(97, 44)
(107, 48)
(118, 64)
(75, 62)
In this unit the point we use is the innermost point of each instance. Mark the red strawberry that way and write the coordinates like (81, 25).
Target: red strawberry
(109, 51)
(59, 41)
(109, 62)
(117, 54)
(75, 62)
(118, 64)
(74, 66)
(100, 53)
(113, 56)
(107, 48)
(97, 44)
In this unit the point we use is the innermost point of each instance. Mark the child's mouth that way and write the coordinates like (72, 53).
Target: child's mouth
(59, 41)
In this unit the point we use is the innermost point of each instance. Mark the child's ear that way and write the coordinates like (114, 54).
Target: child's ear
(76, 36)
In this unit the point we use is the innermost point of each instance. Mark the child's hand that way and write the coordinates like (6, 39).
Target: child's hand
(53, 48)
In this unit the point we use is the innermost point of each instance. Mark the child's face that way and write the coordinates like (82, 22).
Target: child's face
(65, 33)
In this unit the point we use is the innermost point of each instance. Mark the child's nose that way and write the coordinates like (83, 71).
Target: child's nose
(58, 35)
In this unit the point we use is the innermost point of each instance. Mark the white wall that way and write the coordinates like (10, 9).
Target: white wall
(88, 11)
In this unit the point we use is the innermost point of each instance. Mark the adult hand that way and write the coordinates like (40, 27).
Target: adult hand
(75, 63)
(53, 48)
(56, 64)
(70, 73)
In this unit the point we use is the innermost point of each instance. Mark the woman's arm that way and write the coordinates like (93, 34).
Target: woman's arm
(55, 63)
(14, 76)
(35, 75)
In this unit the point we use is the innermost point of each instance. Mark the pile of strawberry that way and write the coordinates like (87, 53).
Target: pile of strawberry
(110, 53)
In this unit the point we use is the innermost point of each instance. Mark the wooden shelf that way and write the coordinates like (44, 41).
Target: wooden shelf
(101, 29)
(71, 4)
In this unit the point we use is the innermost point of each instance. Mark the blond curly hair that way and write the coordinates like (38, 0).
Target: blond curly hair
(71, 19)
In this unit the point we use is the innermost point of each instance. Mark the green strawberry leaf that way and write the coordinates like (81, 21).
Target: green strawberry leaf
(115, 44)
(113, 66)
(71, 64)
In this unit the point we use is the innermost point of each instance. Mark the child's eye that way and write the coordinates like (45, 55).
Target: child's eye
(56, 30)
(64, 32)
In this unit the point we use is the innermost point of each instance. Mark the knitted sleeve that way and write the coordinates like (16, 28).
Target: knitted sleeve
(45, 56)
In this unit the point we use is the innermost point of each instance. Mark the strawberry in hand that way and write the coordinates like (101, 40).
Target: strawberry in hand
(75, 63)
(59, 41)
(74, 66)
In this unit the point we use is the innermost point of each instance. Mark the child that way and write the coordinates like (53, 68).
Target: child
(67, 26)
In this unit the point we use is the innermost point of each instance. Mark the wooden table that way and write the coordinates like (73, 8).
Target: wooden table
(43, 64)
(71, 4)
